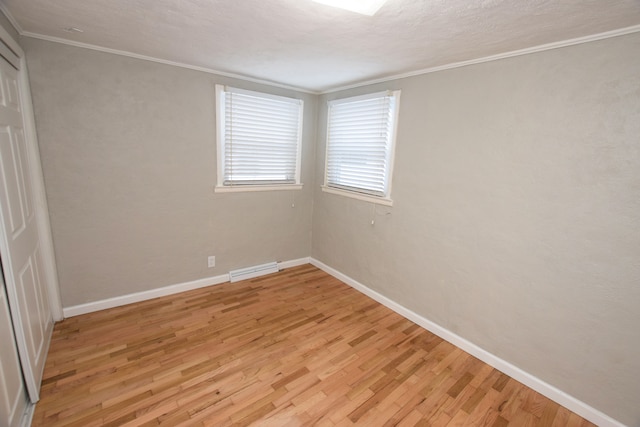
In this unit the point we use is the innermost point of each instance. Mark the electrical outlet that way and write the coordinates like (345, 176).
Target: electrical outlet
(211, 261)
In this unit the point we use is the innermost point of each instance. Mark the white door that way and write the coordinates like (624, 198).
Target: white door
(20, 247)
(13, 395)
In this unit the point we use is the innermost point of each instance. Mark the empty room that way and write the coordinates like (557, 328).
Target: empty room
(320, 213)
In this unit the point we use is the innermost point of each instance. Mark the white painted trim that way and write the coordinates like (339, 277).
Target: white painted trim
(221, 125)
(118, 301)
(513, 371)
(163, 61)
(27, 416)
(256, 187)
(533, 49)
(45, 351)
(294, 263)
(90, 307)
(355, 195)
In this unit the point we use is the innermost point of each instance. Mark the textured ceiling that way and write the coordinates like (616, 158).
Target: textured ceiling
(307, 45)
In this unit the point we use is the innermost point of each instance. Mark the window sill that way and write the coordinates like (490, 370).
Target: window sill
(245, 188)
(364, 197)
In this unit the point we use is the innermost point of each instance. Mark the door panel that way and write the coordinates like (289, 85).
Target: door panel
(24, 169)
(8, 169)
(19, 240)
(13, 395)
(13, 100)
(28, 286)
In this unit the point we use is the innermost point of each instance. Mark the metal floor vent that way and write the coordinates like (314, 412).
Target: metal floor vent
(251, 272)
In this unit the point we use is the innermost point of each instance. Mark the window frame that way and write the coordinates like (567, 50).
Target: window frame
(220, 186)
(384, 199)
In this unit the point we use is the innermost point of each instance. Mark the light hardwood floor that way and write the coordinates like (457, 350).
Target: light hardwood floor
(294, 348)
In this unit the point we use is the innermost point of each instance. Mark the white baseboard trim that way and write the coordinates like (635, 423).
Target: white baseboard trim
(294, 263)
(90, 307)
(513, 371)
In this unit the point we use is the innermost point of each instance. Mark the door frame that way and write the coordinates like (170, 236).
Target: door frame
(41, 208)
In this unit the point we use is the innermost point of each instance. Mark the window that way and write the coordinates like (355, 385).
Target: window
(360, 144)
(258, 140)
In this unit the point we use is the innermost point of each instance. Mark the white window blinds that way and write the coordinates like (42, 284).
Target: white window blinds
(258, 138)
(360, 143)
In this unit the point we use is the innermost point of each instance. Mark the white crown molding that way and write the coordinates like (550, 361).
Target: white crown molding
(118, 301)
(502, 365)
(527, 51)
(163, 61)
(294, 263)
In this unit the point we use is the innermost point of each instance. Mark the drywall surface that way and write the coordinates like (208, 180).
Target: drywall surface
(129, 158)
(516, 216)
(6, 24)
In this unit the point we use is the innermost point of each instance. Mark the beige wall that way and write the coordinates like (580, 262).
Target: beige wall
(6, 24)
(129, 158)
(516, 217)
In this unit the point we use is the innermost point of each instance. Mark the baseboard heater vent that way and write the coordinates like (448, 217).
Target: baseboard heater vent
(251, 272)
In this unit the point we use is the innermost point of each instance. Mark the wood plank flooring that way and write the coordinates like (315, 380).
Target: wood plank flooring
(296, 348)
